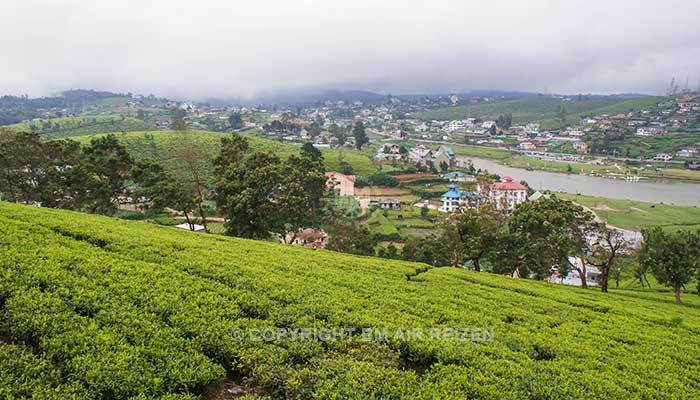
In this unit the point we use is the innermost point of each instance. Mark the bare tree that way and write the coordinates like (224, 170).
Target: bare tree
(610, 244)
(194, 162)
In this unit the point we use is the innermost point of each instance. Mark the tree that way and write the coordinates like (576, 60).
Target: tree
(477, 231)
(361, 138)
(261, 194)
(177, 119)
(430, 250)
(505, 121)
(235, 121)
(671, 257)
(561, 114)
(105, 167)
(160, 190)
(552, 232)
(141, 114)
(444, 167)
(424, 211)
(610, 244)
(192, 169)
(37, 171)
(314, 129)
(347, 236)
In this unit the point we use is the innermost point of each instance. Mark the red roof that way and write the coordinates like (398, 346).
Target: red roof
(330, 174)
(508, 185)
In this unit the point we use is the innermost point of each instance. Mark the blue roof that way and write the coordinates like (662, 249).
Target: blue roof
(460, 193)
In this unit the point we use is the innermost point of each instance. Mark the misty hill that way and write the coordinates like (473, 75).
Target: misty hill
(15, 109)
(97, 308)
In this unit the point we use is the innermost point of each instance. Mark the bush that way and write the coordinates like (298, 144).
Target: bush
(382, 179)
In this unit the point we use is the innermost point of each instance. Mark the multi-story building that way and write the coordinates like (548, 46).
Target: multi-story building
(507, 195)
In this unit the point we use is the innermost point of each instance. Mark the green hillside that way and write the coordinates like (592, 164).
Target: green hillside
(98, 308)
(162, 145)
(56, 128)
(541, 109)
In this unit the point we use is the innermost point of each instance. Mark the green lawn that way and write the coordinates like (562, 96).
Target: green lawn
(635, 215)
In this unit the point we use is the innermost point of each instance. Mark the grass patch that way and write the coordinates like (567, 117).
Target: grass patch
(635, 215)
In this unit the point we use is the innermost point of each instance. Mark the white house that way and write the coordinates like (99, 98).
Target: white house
(455, 200)
(665, 157)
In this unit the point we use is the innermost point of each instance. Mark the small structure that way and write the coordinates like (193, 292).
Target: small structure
(573, 278)
(186, 226)
(665, 157)
(344, 184)
(390, 204)
(444, 155)
(458, 176)
(455, 200)
(308, 237)
(581, 147)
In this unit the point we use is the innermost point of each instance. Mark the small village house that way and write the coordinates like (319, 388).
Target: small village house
(389, 204)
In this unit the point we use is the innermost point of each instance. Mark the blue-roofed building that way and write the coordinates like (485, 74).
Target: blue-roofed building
(456, 200)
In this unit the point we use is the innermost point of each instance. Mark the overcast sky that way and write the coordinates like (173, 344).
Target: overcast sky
(227, 48)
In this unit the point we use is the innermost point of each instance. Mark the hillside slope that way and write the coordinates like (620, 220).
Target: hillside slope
(59, 128)
(161, 145)
(541, 109)
(94, 307)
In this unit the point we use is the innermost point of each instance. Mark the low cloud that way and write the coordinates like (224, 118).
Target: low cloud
(216, 48)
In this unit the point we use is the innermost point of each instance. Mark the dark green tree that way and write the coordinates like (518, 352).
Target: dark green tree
(177, 119)
(235, 121)
(160, 190)
(104, 165)
(360, 135)
(671, 257)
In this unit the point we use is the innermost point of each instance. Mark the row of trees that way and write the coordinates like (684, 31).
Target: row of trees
(61, 174)
(552, 232)
(96, 177)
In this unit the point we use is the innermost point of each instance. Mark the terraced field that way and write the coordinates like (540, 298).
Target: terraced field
(99, 308)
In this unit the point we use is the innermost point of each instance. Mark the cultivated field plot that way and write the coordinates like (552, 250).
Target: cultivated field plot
(99, 308)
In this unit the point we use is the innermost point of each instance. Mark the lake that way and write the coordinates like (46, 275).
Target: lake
(652, 191)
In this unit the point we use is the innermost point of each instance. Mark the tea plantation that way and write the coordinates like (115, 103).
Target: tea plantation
(98, 308)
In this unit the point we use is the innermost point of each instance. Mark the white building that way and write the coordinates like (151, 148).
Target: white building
(507, 195)
(455, 200)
